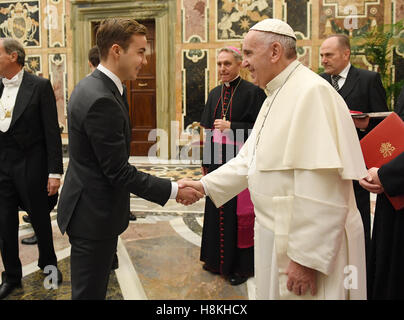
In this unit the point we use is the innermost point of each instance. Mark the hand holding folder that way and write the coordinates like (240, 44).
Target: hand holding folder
(382, 144)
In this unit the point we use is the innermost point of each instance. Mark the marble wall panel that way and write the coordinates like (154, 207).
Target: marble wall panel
(54, 23)
(58, 77)
(21, 20)
(195, 65)
(298, 16)
(304, 55)
(398, 7)
(235, 17)
(194, 20)
(33, 64)
(352, 17)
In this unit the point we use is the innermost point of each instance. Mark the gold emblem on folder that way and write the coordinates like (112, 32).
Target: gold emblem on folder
(386, 149)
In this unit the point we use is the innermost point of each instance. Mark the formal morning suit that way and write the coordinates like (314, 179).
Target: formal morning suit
(227, 245)
(30, 150)
(94, 201)
(363, 91)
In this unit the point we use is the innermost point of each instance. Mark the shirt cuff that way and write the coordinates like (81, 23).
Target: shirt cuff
(55, 175)
(205, 188)
(174, 190)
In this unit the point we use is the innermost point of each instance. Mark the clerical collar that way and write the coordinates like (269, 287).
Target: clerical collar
(279, 80)
(112, 76)
(233, 82)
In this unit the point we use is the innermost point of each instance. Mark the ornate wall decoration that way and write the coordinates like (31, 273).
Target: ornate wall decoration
(194, 20)
(195, 79)
(33, 64)
(304, 55)
(54, 22)
(298, 16)
(352, 17)
(235, 17)
(58, 77)
(21, 20)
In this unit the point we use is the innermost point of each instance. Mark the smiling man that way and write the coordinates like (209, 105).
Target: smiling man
(231, 109)
(94, 202)
(298, 164)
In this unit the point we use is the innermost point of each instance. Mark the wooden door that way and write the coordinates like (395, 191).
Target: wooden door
(142, 98)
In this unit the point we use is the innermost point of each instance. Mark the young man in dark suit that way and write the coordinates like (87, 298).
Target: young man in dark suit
(31, 160)
(94, 201)
(362, 91)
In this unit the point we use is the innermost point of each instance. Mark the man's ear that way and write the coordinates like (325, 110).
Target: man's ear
(14, 56)
(115, 50)
(277, 51)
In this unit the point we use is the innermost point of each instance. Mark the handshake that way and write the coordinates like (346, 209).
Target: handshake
(189, 191)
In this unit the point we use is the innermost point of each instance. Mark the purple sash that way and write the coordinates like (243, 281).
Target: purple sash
(245, 220)
(245, 207)
(223, 138)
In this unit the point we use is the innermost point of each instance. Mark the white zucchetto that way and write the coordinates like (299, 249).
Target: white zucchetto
(275, 26)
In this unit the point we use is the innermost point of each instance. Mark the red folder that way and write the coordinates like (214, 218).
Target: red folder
(382, 144)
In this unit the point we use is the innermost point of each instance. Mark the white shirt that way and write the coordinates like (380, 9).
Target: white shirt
(343, 74)
(8, 97)
(118, 83)
(112, 76)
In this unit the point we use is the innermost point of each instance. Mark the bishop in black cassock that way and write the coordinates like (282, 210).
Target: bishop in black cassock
(386, 262)
(227, 246)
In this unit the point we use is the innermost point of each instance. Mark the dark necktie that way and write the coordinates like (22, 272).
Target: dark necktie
(334, 81)
(125, 98)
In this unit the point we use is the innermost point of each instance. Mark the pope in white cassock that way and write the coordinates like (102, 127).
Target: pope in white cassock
(298, 164)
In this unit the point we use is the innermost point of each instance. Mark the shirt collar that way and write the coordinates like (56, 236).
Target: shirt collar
(344, 73)
(278, 81)
(14, 81)
(232, 82)
(112, 76)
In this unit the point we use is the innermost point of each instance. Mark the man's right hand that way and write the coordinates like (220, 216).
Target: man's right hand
(188, 193)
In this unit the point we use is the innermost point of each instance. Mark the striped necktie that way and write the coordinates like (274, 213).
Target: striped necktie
(334, 81)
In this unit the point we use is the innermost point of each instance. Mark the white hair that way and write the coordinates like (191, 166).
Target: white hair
(288, 43)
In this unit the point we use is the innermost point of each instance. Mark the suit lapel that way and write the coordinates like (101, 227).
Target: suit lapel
(350, 82)
(327, 77)
(23, 97)
(111, 85)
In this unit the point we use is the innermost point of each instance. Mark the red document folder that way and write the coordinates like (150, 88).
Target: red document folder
(382, 144)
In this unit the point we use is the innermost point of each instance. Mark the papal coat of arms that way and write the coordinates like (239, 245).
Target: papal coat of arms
(386, 149)
(20, 20)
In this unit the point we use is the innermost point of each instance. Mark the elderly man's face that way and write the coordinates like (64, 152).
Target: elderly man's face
(228, 66)
(333, 58)
(256, 58)
(5, 60)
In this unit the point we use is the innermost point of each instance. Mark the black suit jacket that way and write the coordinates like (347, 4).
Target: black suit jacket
(363, 91)
(34, 127)
(34, 123)
(94, 201)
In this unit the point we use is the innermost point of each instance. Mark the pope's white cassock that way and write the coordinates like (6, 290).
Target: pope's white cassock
(298, 164)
